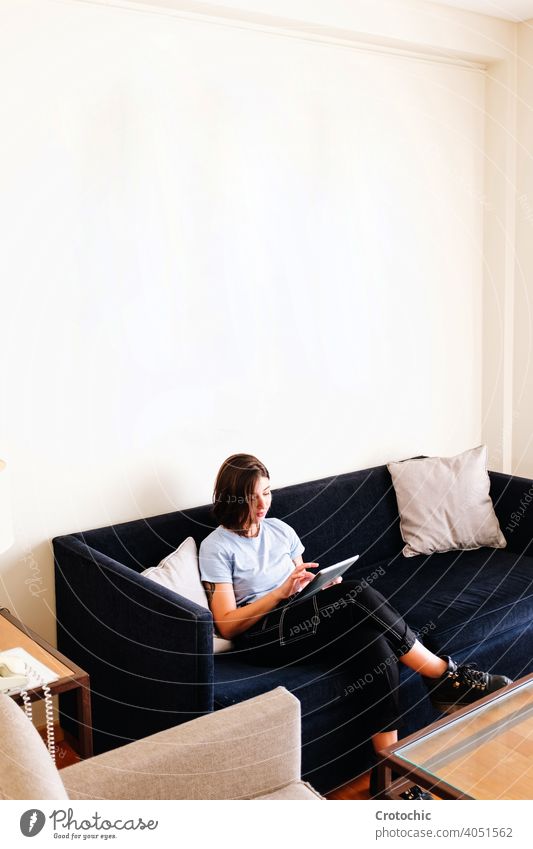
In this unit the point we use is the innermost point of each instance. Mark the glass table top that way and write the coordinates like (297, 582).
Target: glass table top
(487, 753)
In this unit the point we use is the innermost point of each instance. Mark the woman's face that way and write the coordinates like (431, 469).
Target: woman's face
(261, 500)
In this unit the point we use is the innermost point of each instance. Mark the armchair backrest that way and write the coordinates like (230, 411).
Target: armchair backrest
(26, 768)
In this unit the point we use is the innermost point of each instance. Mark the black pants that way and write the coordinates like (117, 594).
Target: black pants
(346, 626)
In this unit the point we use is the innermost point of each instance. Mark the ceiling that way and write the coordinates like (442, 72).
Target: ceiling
(511, 10)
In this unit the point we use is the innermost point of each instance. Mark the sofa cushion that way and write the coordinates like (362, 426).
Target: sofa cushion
(444, 503)
(180, 572)
(316, 686)
(313, 685)
(458, 599)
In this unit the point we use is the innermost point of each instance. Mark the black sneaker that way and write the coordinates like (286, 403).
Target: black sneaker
(412, 793)
(415, 793)
(462, 685)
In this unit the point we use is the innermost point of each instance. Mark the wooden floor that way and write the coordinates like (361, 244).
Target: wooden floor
(357, 789)
(65, 754)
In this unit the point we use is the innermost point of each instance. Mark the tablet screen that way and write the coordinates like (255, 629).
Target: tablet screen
(324, 576)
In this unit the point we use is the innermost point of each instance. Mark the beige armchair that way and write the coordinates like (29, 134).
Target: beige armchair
(248, 751)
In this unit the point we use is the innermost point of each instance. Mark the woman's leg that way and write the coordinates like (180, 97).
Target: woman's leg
(423, 660)
(450, 685)
(365, 606)
(384, 738)
(368, 638)
(334, 620)
(342, 638)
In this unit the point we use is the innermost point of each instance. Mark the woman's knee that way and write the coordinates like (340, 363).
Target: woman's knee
(365, 594)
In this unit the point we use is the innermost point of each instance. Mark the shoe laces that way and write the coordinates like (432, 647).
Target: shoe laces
(467, 673)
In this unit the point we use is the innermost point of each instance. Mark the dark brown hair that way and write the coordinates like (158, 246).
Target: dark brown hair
(234, 487)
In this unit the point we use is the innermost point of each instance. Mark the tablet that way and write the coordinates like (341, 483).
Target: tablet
(323, 577)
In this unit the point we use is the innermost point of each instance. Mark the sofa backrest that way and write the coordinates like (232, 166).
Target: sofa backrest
(335, 517)
(144, 542)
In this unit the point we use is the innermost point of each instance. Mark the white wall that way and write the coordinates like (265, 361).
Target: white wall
(220, 238)
(523, 348)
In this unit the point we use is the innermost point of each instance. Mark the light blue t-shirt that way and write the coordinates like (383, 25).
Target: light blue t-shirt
(254, 565)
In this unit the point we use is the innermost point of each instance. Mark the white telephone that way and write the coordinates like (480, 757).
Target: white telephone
(19, 672)
(12, 673)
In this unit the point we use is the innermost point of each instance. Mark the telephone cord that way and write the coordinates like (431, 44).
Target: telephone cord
(27, 704)
(48, 709)
(49, 712)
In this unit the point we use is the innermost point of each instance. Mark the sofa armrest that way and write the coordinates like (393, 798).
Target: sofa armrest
(148, 651)
(246, 750)
(513, 502)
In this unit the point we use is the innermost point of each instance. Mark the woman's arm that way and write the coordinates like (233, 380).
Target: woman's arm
(231, 620)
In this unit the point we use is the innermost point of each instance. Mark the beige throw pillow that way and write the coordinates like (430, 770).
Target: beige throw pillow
(180, 572)
(444, 503)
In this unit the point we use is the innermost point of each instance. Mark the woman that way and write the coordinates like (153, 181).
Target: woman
(252, 569)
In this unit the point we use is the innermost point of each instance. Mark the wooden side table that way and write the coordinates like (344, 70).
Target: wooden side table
(13, 634)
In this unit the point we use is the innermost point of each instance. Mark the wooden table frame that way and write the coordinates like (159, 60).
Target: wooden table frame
(72, 677)
(416, 774)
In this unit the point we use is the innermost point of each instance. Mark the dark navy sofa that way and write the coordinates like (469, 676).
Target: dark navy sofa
(149, 651)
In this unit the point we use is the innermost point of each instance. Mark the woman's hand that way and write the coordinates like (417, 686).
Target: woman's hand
(333, 582)
(296, 581)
